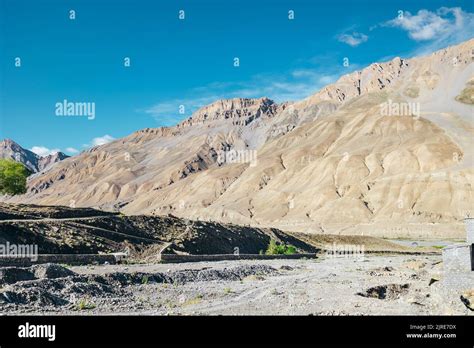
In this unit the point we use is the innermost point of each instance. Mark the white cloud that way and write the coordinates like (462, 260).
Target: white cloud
(102, 140)
(354, 39)
(168, 113)
(313, 74)
(445, 26)
(296, 85)
(71, 150)
(43, 151)
(99, 141)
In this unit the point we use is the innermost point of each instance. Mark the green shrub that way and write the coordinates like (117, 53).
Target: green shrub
(12, 177)
(84, 304)
(272, 248)
(280, 249)
(290, 250)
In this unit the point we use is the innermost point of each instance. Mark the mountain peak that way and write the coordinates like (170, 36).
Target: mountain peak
(240, 110)
(35, 163)
(8, 143)
(46, 161)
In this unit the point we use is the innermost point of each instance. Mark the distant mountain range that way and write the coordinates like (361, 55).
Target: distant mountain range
(387, 150)
(11, 150)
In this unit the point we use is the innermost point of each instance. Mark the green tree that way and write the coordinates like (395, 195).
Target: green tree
(12, 177)
(279, 249)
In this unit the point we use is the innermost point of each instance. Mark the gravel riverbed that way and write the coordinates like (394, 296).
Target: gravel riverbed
(372, 285)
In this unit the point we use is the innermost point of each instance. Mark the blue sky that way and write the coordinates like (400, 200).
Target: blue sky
(190, 62)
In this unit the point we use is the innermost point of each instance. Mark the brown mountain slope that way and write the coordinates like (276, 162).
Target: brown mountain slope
(385, 151)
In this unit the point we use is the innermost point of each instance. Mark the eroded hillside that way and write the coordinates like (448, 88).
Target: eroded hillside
(385, 151)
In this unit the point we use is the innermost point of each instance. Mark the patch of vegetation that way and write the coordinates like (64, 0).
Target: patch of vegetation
(12, 177)
(145, 279)
(280, 249)
(253, 277)
(66, 265)
(193, 301)
(227, 291)
(85, 304)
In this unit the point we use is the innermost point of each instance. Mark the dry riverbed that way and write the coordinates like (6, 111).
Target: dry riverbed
(375, 284)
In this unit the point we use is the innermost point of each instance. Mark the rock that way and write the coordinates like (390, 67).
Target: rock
(468, 299)
(286, 268)
(386, 292)
(381, 271)
(10, 275)
(51, 271)
(414, 265)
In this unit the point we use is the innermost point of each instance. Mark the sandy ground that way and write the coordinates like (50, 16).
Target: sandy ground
(327, 286)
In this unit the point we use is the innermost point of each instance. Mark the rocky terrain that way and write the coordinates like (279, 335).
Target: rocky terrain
(383, 278)
(65, 230)
(334, 163)
(388, 285)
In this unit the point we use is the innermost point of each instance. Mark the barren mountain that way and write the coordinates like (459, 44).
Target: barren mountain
(45, 162)
(384, 151)
(11, 150)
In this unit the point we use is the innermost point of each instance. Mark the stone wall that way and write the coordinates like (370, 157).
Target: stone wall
(173, 258)
(457, 258)
(458, 261)
(70, 259)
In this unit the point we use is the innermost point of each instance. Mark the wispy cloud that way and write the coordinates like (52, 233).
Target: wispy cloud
(170, 112)
(444, 27)
(353, 39)
(71, 150)
(294, 85)
(43, 151)
(99, 141)
(102, 140)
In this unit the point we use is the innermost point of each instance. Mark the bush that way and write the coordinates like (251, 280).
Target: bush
(290, 250)
(12, 177)
(84, 304)
(280, 249)
(272, 248)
